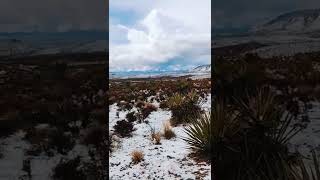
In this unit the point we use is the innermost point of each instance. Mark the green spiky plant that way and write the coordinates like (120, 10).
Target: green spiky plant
(184, 108)
(302, 172)
(208, 134)
(200, 136)
(250, 138)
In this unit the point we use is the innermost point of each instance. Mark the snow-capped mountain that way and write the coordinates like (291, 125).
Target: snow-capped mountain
(301, 21)
(30, 44)
(202, 68)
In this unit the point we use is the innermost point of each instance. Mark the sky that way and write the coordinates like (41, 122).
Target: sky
(157, 35)
(249, 13)
(52, 15)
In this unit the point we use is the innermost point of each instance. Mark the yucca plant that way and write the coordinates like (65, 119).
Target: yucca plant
(285, 130)
(211, 133)
(200, 135)
(302, 172)
(260, 108)
(264, 113)
(256, 145)
(280, 168)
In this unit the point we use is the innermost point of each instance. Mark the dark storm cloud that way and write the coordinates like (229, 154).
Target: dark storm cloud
(240, 13)
(52, 15)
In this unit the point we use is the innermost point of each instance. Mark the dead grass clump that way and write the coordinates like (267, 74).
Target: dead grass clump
(114, 143)
(167, 130)
(137, 156)
(156, 138)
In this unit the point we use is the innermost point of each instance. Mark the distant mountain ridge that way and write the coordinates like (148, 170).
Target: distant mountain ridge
(300, 21)
(45, 43)
(202, 68)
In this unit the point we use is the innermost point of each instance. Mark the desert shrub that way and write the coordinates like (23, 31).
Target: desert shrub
(184, 108)
(163, 105)
(131, 117)
(69, 169)
(183, 87)
(167, 131)
(147, 109)
(41, 139)
(124, 128)
(124, 106)
(112, 100)
(60, 142)
(60, 70)
(137, 156)
(94, 170)
(95, 135)
(10, 124)
(140, 104)
(99, 114)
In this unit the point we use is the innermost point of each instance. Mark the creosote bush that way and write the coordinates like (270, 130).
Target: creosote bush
(147, 109)
(69, 169)
(131, 117)
(95, 135)
(61, 142)
(124, 128)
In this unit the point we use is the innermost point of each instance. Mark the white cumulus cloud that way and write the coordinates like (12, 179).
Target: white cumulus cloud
(167, 31)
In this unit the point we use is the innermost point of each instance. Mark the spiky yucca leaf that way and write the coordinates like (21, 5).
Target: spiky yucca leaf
(284, 131)
(261, 109)
(308, 173)
(211, 131)
(200, 136)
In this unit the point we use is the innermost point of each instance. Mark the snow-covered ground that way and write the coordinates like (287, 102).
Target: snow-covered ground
(288, 49)
(13, 150)
(169, 160)
(201, 76)
(309, 138)
(276, 45)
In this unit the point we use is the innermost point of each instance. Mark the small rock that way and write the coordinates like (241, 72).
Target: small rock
(170, 157)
